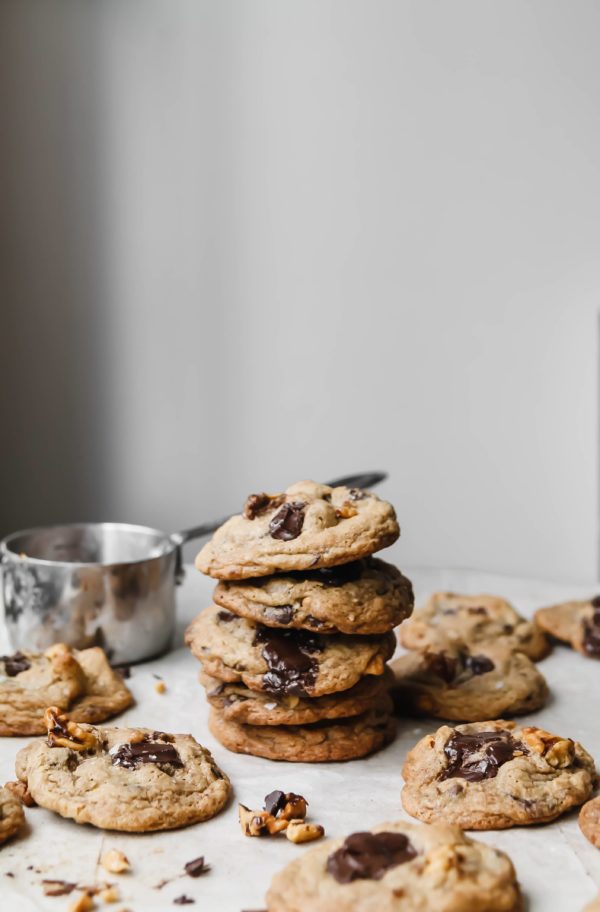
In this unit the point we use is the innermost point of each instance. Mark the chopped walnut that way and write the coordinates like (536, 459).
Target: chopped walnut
(346, 511)
(110, 895)
(253, 823)
(294, 808)
(160, 687)
(300, 831)
(558, 752)
(260, 503)
(64, 733)
(115, 862)
(83, 903)
(20, 791)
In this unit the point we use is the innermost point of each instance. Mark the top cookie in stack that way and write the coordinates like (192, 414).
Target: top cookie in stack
(294, 650)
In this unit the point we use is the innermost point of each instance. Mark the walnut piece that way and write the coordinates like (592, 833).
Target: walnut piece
(260, 503)
(115, 862)
(64, 733)
(83, 903)
(346, 511)
(300, 831)
(20, 791)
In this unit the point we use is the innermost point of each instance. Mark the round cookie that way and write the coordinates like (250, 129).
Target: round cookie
(12, 817)
(128, 779)
(589, 821)
(398, 867)
(468, 687)
(493, 775)
(29, 682)
(362, 597)
(280, 661)
(577, 623)
(310, 525)
(105, 692)
(236, 703)
(472, 619)
(346, 739)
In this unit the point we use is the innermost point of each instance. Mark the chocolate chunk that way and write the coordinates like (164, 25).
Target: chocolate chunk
(478, 664)
(130, 756)
(196, 867)
(15, 664)
(368, 856)
(479, 610)
(480, 755)
(183, 900)
(162, 736)
(596, 601)
(275, 802)
(283, 614)
(57, 887)
(123, 670)
(288, 654)
(260, 503)
(288, 521)
(337, 576)
(591, 634)
(317, 624)
(441, 665)
(225, 616)
(357, 494)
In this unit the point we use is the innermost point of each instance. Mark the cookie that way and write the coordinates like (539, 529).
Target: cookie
(472, 619)
(493, 775)
(129, 779)
(468, 687)
(236, 703)
(398, 867)
(283, 661)
(593, 906)
(105, 692)
(308, 526)
(362, 597)
(29, 682)
(346, 739)
(577, 623)
(589, 821)
(12, 817)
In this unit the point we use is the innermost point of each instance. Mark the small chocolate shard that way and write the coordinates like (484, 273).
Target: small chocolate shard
(183, 900)
(367, 856)
(57, 887)
(288, 521)
(15, 664)
(196, 867)
(275, 802)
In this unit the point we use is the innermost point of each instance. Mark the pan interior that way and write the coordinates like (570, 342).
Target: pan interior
(91, 543)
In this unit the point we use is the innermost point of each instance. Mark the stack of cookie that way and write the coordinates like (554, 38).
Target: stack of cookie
(294, 649)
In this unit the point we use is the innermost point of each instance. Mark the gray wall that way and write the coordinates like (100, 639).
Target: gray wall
(249, 242)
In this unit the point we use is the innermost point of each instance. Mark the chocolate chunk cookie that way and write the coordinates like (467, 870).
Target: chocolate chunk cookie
(236, 703)
(345, 739)
(589, 821)
(82, 682)
(12, 817)
(468, 686)
(130, 779)
(29, 682)
(308, 526)
(362, 597)
(398, 867)
(492, 775)
(283, 661)
(472, 619)
(577, 623)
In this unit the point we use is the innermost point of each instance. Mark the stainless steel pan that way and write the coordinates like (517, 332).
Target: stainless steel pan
(101, 584)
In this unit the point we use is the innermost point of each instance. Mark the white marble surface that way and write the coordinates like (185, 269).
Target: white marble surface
(558, 869)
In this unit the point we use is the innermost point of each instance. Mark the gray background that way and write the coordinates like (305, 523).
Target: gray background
(244, 243)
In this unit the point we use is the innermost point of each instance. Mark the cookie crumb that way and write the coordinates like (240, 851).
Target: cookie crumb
(83, 903)
(115, 862)
(110, 895)
(160, 687)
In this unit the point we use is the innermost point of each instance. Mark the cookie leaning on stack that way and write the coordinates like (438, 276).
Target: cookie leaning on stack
(294, 651)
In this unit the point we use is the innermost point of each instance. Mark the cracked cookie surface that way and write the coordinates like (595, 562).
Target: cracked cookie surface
(129, 779)
(12, 817)
(308, 526)
(473, 620)
(398, 867)
(280, 661)
(238, 703)
(576, 623)
(465, 686)
(493, 775)
(345, 739)
(362, 597)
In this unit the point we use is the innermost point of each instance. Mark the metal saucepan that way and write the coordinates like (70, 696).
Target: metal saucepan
(101, 584)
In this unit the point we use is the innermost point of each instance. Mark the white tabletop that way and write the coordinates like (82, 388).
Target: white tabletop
(557, 867)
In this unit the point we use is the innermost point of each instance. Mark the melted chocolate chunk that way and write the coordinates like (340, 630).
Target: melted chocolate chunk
(369, 855)
(130, 756)
(275, 802)
(591, 634)
(15, 664)
(478, 664)
(337, 576)
(283, 614)
(287, 522)
(260, 503)
(288, 654)
(225, 616)
(196, 867)
(480, 755)
(441, 665)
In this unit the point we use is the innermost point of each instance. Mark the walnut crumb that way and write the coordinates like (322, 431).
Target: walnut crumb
(110, 895)
(115, 862)
(160, 687)
(83, 903)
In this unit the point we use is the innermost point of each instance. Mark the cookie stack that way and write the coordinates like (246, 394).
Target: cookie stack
(294, 649)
